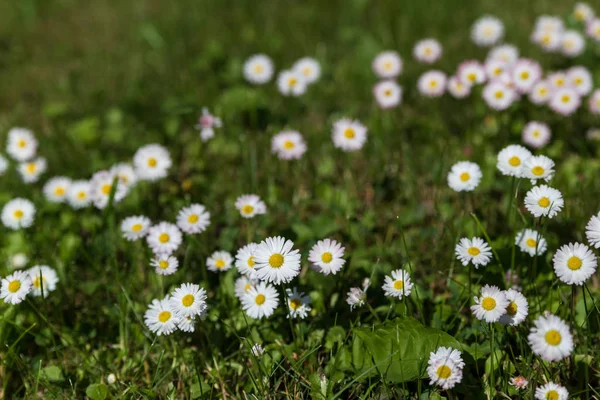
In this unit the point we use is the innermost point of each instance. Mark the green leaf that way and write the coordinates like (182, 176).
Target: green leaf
(96, 391)
(53, 373)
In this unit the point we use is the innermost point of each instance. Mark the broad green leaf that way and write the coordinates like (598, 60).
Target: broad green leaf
(53, 373)
(96, 391)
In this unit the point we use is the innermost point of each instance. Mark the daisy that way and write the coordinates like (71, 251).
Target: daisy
(188, 300)
(291, 83)
(164, 264)
(219, 261)
(583, 12)
(78, 195)
(160, 317)
(511, 159)
(551, 391)
(18, 213)
(593, 29)
(18, 260)
(398, 285)
(260, 301)
(276, 261)
(519, 382)
(536, 134)
(592, 231)
(574, 263)
(550, 338)
(475, 251)
(581, 80)
(207, 124)
(506, 53)
(544, 201)
(30, 171)
(56, 189)
(549, 41)
(288, 145)
(258, 69)
(163, 237)
(250, 205)
(548, 23)
(125, 173)
(21, 144)
(356, 297)
(243, 285)
(594, 102)
(427, 51)
(458, 89)
(151, 162)
(102, 185)
(388, 94)
(327, 256)
(432, 83)
(495, 68)
(387, 65)
(565, 101)
(43, 278)
(541, 92)
(572, 44)
(134, 228)
(530, 242)
(487, 31)
(349, 135)
(308, 68)
(193, 219)
(298, 304)
(15, 287)
(471, 73)
(525, 74)
(538, 167)
(445, 367)
(244, 260)
(464, 176)
(498, 96)
(187, 324)
(517, 309)
(3, 164)
(491, 305)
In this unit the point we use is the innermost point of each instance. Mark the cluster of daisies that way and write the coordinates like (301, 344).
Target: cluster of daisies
(38, 280)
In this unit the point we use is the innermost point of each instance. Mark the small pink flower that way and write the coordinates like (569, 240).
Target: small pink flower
(519, 382)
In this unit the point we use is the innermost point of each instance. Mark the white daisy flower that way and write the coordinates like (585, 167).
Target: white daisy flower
(260, 301)
(18, 260)
(258, 69)
(388, 94)
(536, 134)
(572, 43)
(475, 251)
(487, 31)
(558, 79)
(593, 29)
(42, 278)
(387, 65)
(219, 261)
(432, 83)
(457, 89)
(193, 219)
(511, 159)
(498, 96)
(445, 367)
(243, 286)
(327, 256)
(30, 171)
(160, 317)
(21, 144)
(308, 68)
(550, 338)
(495, 69)
(78, 195)
(592, 231)
(151, 162)
(464, 176)
(594, 102)
(3, 164)
(574, 263)
(565, 101)
(471, 73)
(163, 237)
(101, 187)
(581, 80)
(257, 350)
(298, 304)
(187, 324)
(583, 12)
(530, 242)
(188, 300)
(427, 51)
(250, 205)
(125, 173)
(288, 145)
(544, 201)
(15, 287)
(549, 41)
(398, 285)
(207, 124)
(244, 260)
(291, 83)
(551, 391)
(491, 305)
(276, 261)
(525, 74)
(356, 297)
(18, 213)
(517, 309)
(164, 264)
(56, 189)
(134, 228)
(519, 382)
(537, 168)
(506, 53)
(349, 135)
(541, 92)
(548, 23)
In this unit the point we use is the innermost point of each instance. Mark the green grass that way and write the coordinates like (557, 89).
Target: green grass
(96, 80)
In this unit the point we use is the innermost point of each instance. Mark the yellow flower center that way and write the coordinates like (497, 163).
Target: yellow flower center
(499, 94)
(59, 191)
(163, 264)
(387, 65)
(326, 257)
(192, 219)
(444, 371)
(433, 83)
(538, 171)
(258, 68)
(544, 202)
(472, 77)
(22, 143)
(514, 161)
(187, 300)
(536, 133)
(14, 286)
(260, 299)
(164, 316)
(295, 303)
(306, 71)
(552, 395)
(247, 287)
(387, 92)
(531, 242)
(288, 145)
(136, 227)
(247, 209)
(565, 98)
(292, 82)
(553, 337)
(152, 162)
(349, 133)
(524, 75)
(578, 81)
(164, 238)
(37, 283)
(18, 214)
(398, 285)
(559, 81)
(512, 308)
(276, 260)
(543, 91)
(31, 167)
(106, 189)
(427, 51)
(81, 195)
(220, 264)
(474, 251)
(488, 304)
(251, 261)
(574, 263)
(465, 176)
